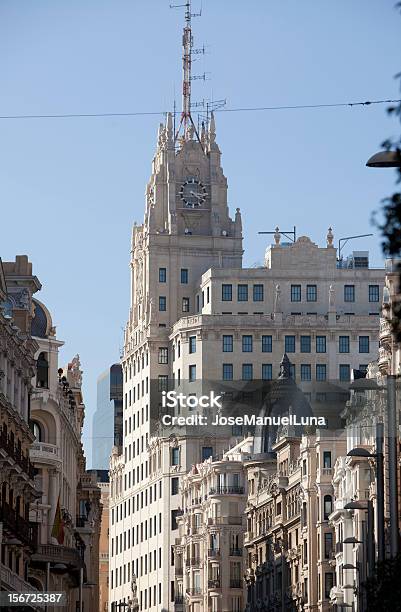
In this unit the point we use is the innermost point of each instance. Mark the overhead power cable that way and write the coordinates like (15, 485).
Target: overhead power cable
(221, 110)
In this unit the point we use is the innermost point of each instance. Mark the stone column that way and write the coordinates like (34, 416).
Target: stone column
(52, 498)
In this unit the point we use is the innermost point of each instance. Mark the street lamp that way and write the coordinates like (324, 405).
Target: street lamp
(352, 540)
(366, 505)
(385, 159)
(378, 455)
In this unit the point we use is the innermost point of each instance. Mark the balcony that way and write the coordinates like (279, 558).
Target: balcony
(226, 491)
(17, 525)
(236, 583)
(14, 452)
(236, 552)
(58, 554)
(44, 453)
(178, 571)
(213, 553)
(11, 581)
(214, 584)
(179, 599)
(248, 536)
(194, 592)
(339, 547)
(193, 562)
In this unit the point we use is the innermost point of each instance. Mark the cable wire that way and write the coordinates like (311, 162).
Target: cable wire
(221, 110)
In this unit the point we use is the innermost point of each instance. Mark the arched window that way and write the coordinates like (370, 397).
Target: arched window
(37, 431)
(42, 372)
(328, 506)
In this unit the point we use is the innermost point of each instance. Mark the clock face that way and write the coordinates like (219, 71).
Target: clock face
(193, 193)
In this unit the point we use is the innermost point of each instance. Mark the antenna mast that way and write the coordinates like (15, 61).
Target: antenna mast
(186, 121)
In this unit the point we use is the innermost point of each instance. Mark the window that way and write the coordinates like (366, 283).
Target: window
(226, 293)
(162, 303)
(344, 372)
(292, 371)
(311, 293)
(343, 344)
(267, 344)
(306, 373)
(37, 431)
(185, 304)
(162, 275)
(289, 344)
(258, 293)
(374, 293)
(328, 584)
(227, 371)
(320, 344)
(227, 344)
(295, 293)
(192, 344)
(174, 485)
(175, 455)
(327, 506)
(327, 459)
(267, 371)
(363, 367)
(247, 371)
(247, 344)
(197, 303)
(364, 344)
(328, 544)
(242, 293)
(349, 293)
(305, 344)
(163, 354)
(192, 373)
(163, 382)
(321, 372)
(184, 276)
(207, 452)
(174, 515)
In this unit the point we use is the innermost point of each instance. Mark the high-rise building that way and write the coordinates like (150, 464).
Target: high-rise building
(107, 419)
(196, 314)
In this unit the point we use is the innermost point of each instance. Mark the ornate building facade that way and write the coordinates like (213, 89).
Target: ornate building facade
(67, 511)
(17, 367)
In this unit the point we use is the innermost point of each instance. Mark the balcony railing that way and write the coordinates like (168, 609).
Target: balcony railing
(213, 552)
(178, 571)
(236, 583)
(18, 525)
(16, 454)
(58, 554)
(13, 581)
(194, 591)
(44, 452)
(81, 521)
(214, 584)
(193, 561)
(339, 547)
(226, 491)
(179, 599)
(236, 552)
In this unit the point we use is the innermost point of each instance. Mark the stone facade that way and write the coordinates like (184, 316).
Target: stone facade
(18, 535)
(67, 493)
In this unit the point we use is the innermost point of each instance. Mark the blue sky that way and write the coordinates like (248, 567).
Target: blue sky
(70, 189)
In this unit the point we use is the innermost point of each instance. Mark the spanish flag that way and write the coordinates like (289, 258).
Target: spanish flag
(58, 525)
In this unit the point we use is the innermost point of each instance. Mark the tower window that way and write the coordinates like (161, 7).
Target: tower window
(163, 355)
(227, 344)
(185, 304)
(295, 293)
(374, 292)
(311, 293)
(192, 344)
(343, 344)
(349, 293)
(258, 293)
(184, 276)
(42, 372)
(162, 303)
(226, 293)
(242, 293)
